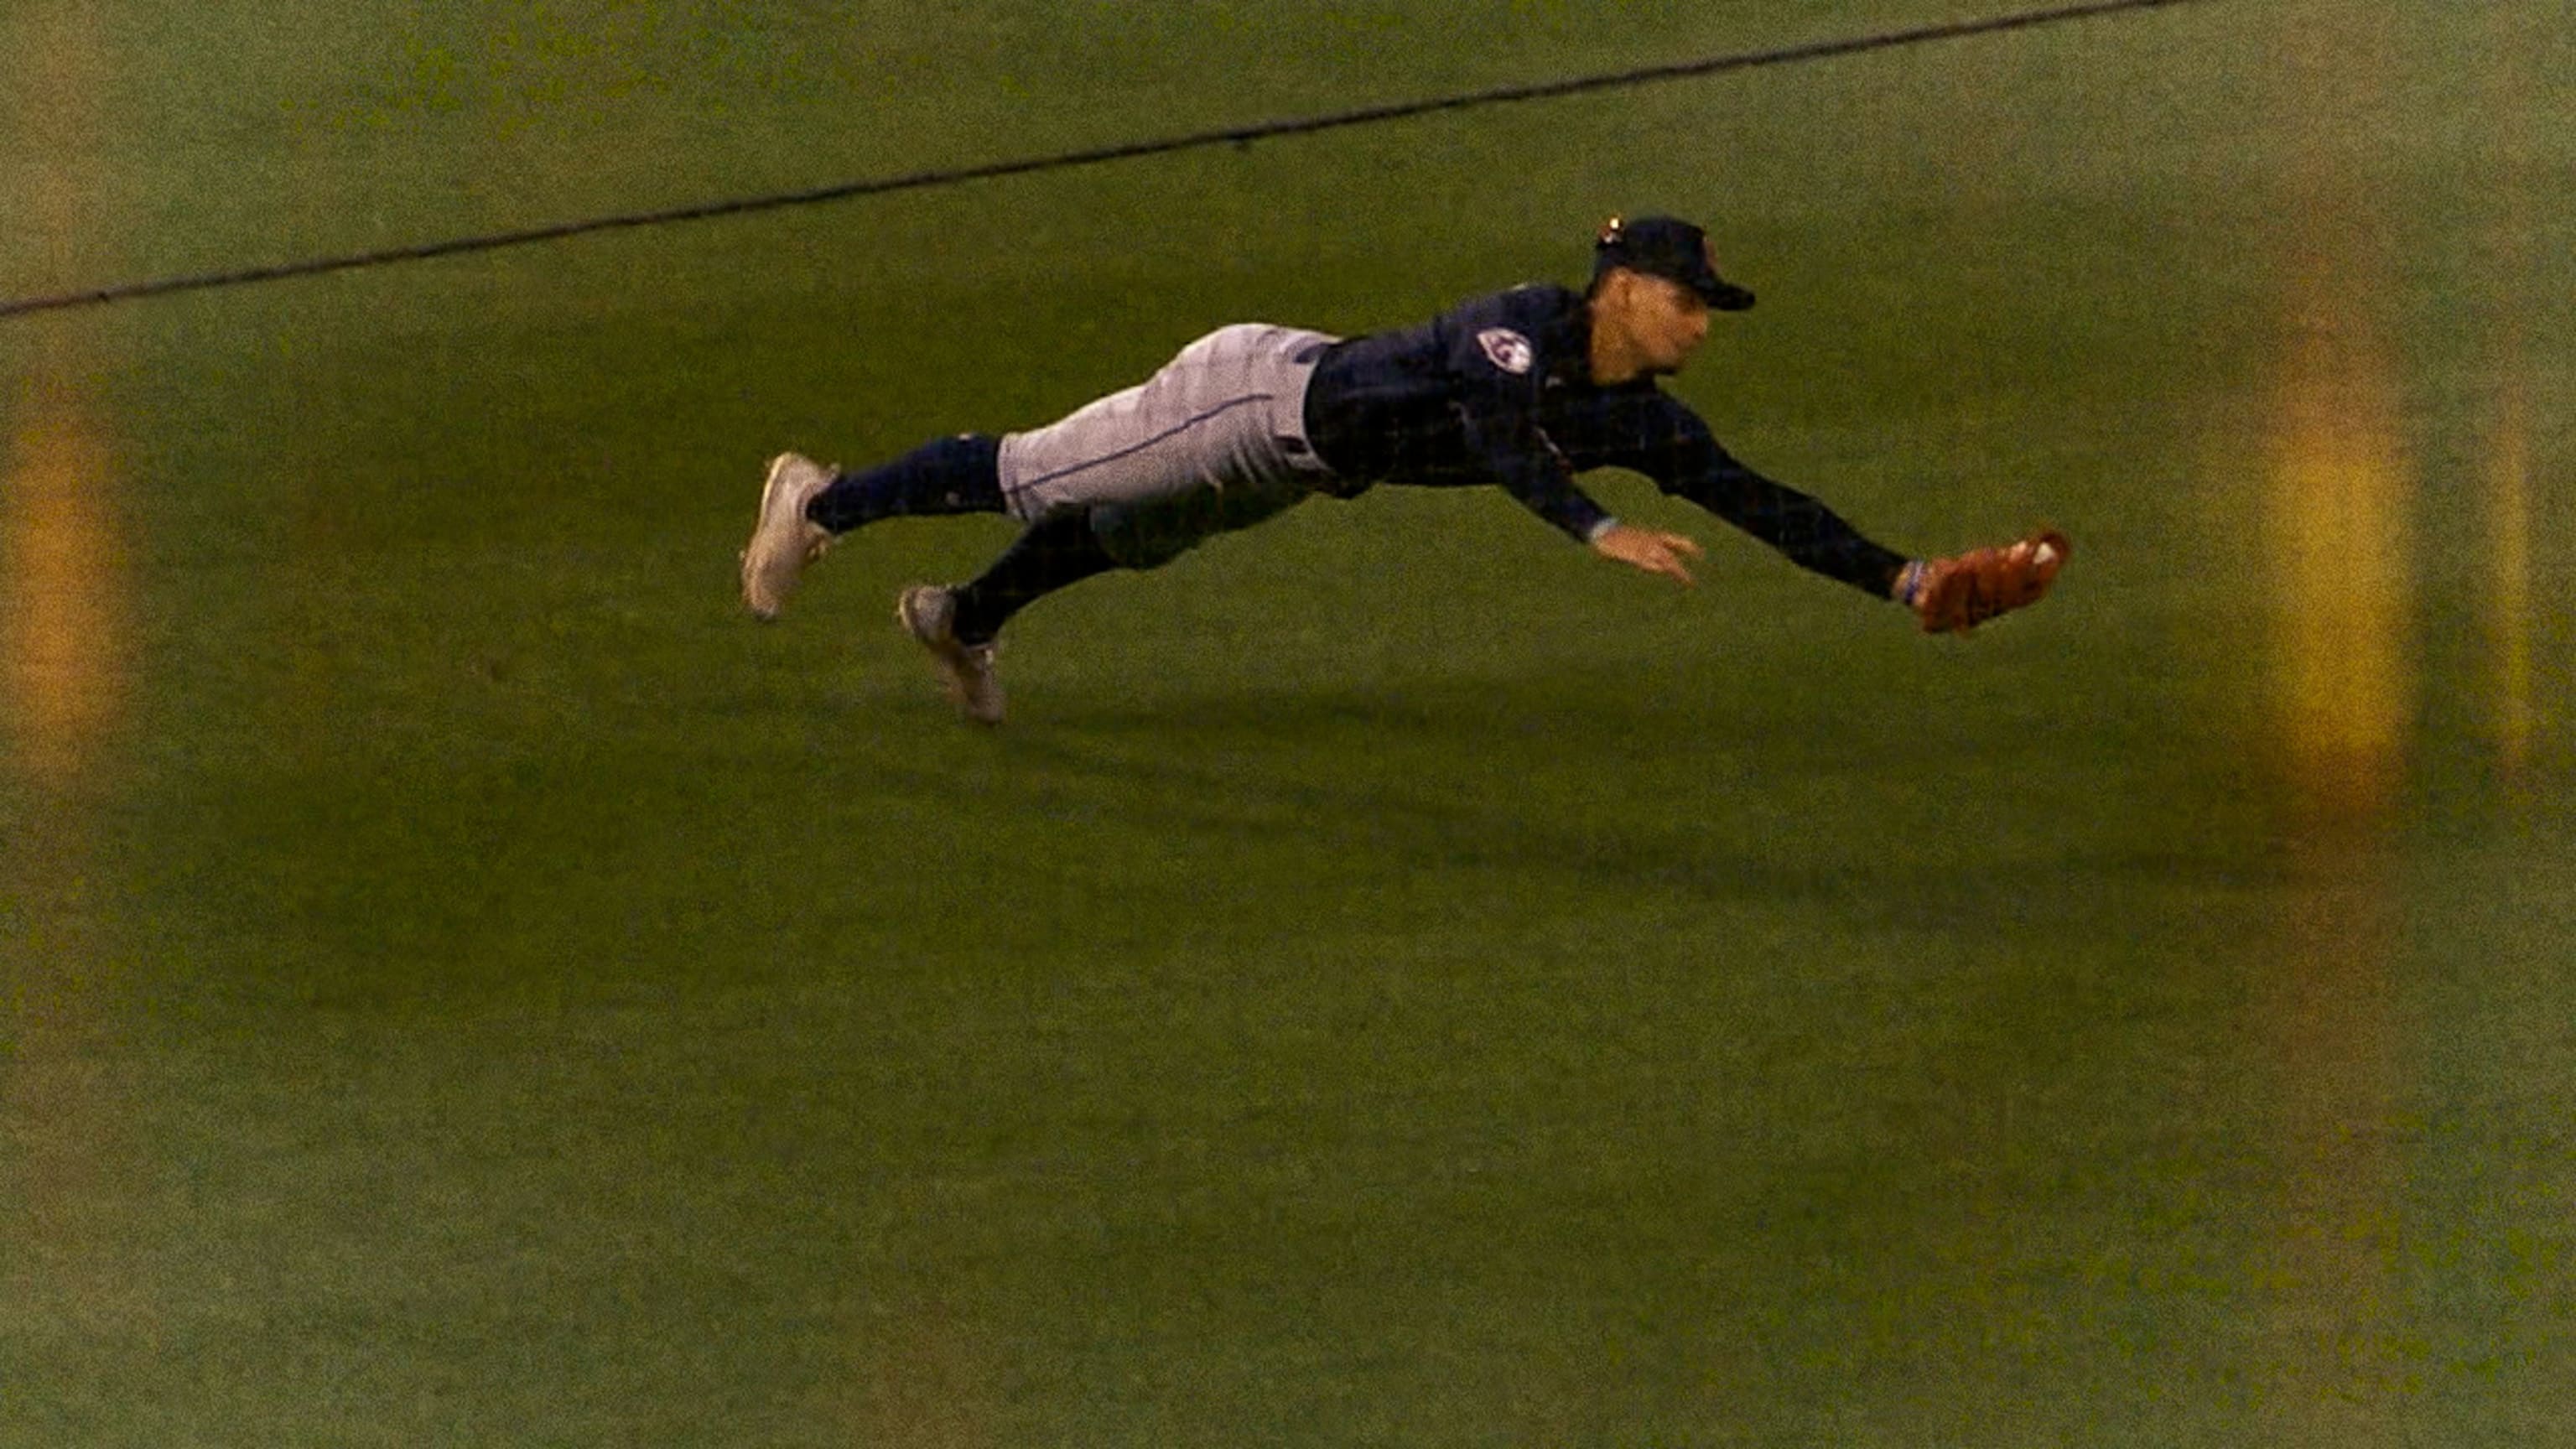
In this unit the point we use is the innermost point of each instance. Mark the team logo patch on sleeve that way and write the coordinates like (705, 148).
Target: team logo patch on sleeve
(1507, 350)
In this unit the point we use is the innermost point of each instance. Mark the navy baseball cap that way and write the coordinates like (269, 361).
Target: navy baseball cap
(1664, 246)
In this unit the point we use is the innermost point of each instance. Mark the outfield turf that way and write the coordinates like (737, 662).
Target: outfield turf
(1397, 979)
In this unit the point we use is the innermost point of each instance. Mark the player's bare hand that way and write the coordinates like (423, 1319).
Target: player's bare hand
(1650, 549)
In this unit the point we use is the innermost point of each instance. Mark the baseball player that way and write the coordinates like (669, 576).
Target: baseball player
(1521, 390)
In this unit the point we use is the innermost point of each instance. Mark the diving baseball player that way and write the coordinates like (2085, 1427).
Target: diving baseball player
(1521, 390)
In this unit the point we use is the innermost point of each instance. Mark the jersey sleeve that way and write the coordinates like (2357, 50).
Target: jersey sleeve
(1499, 364)
(1676, 449)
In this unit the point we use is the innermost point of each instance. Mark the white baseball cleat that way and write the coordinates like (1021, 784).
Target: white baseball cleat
(929, 613)
(783, 540)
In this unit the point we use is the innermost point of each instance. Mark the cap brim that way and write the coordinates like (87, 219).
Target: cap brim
(1725, 296)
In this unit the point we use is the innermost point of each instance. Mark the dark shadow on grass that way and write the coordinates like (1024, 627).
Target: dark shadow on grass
(1497, 778)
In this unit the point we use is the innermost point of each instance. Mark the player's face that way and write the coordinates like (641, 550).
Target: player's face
(1656, 323)
(1671, 322)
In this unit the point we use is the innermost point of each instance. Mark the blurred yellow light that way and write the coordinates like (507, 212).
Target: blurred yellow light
(2509, 574)
(2339, 549)
(62, 611)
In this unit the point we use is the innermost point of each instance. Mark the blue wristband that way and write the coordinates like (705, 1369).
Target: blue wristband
(1909, 583)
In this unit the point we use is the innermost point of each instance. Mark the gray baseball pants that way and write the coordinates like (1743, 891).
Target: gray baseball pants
(1214, 441)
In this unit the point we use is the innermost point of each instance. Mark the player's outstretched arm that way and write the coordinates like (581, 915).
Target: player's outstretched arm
(1650, 549)
(1954, 595)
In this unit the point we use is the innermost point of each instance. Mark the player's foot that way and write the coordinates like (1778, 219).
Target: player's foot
(929, 613)
(784, 540)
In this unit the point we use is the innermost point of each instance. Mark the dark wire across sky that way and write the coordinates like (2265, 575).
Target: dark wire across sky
(245, 276)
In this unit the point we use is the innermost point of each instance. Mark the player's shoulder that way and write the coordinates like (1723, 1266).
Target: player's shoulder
(1535, 306)
(1520, 330)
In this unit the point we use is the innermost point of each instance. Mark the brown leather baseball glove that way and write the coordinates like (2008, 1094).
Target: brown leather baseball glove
(1955, 595)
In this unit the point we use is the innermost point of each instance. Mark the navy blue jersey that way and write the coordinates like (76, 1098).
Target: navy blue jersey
(1498, 391)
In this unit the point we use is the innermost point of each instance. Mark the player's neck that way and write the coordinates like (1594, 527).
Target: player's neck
(1609, 349)
(1612, 355)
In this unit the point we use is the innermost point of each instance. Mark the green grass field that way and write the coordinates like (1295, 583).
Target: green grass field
(1397, 979)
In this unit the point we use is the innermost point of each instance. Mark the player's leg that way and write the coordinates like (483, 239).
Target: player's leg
(805, 505)
(1056, 552)
(959, 624)
(949, 475)
(1225, 415)
(1214, 441)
